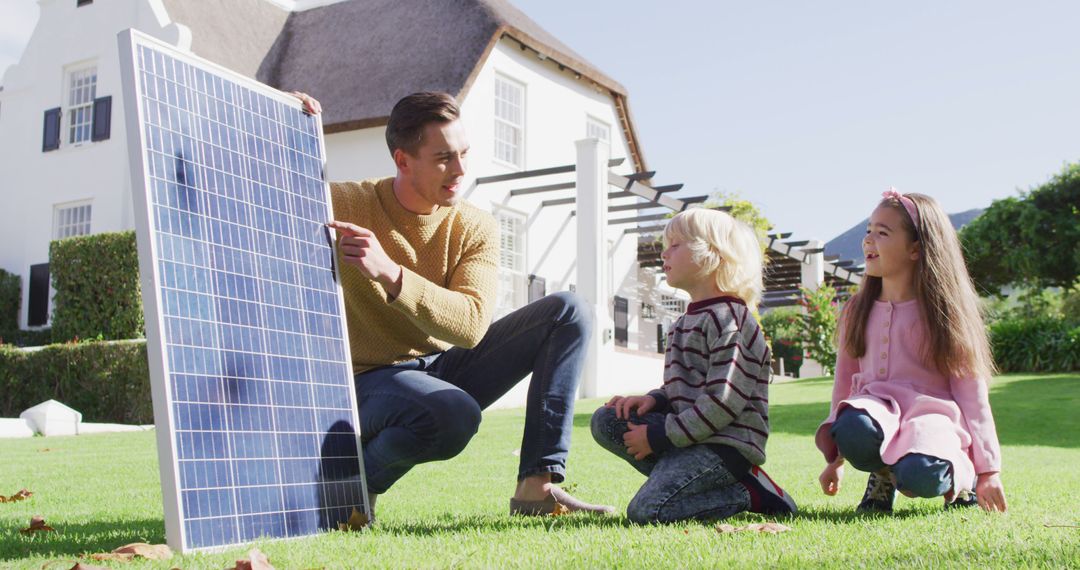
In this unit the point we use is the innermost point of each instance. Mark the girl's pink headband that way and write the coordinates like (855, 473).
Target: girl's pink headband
(907, 203)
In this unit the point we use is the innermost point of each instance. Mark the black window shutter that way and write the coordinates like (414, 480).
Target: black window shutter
(38, 304)
(537, 287)
(622, 323)
(50, 140)
(81, 3)
(102, 118)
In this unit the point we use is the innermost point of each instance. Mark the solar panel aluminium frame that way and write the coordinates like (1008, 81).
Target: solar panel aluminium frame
(129, 42)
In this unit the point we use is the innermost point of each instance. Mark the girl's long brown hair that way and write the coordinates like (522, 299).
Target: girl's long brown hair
(955, 342)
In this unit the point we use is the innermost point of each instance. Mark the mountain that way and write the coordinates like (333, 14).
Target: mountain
(848, 245)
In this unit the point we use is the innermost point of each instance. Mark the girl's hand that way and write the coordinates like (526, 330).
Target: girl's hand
(832, 475)
(641, 403)
(990, 492)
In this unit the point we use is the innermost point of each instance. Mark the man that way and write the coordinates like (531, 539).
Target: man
(419, 273)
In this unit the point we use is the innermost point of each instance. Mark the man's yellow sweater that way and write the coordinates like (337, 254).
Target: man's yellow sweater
(449, 275)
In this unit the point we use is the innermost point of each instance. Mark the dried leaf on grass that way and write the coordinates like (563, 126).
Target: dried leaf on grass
(559, 510)
(769, 527)
(256, 561)
(37, 524)
(22, 495)
(134, 550)
(1048, 525)
(81, 566)
(357, 521)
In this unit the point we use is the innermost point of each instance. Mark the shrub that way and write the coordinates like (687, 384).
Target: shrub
(783, 327)
(96, 279)
(1043, 344)
(106, 381)
(10, 301)
(819, 325)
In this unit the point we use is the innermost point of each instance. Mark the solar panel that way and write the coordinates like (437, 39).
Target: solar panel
(258, 434)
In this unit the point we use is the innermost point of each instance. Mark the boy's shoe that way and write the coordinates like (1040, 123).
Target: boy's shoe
(879, 495)
(766, 497)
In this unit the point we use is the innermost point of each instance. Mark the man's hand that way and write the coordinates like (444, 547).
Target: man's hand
(624, 405)
(311, 105)
(636, 439)
(360, 247)
(832, 475)
(990, 492)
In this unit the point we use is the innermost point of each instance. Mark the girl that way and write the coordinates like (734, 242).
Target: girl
(910, 400)
(701, 436)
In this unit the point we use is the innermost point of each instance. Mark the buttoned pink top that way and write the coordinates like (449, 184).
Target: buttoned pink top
(919, 409)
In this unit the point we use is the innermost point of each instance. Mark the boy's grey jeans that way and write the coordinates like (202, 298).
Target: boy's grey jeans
(695, 482)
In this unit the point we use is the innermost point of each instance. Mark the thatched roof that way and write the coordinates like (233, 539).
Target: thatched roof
(358, 57)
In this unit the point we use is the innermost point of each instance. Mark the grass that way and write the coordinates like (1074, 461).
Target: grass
(102, 491)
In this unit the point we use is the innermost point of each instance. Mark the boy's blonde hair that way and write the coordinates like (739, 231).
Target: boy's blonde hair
(726, 249)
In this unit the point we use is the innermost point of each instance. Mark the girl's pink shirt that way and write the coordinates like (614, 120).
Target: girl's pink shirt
(892, 369)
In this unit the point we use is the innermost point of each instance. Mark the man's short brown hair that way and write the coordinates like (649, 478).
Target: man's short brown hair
(412, 113)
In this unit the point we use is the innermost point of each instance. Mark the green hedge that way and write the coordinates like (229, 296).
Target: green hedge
(106, 381)
(1044, 344)
(96, 279)
(10, 301)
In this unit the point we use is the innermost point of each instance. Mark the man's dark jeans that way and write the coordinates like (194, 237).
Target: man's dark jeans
(428, 409)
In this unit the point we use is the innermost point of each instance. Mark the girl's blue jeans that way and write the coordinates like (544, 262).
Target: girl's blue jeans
(428, 409)
(695, 482)
(859, 439)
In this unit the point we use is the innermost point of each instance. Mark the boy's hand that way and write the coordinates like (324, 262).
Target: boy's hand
(636, 439)
(990, 492)
(623, 406)
(832, 475)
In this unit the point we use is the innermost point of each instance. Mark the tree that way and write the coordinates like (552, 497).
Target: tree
(1029, 240)
(744, 211)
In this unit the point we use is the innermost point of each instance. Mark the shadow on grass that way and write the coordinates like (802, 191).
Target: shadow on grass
(450, 524)
(72, 540)
(1043, 410)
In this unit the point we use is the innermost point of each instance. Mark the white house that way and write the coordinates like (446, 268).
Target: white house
(527, 99)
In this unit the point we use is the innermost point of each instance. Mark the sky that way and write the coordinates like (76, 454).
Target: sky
(812, 109)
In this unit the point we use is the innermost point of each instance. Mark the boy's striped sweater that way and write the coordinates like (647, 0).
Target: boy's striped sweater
(716, 381)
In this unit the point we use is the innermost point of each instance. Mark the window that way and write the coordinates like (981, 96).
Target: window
(71, 221)
(648, 311)
(81, 3)
(82, 88)
(673, 304)
(597, 129)
(513, 281)
(509, 121)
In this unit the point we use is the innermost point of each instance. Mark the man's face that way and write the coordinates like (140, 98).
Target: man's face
(432, 177)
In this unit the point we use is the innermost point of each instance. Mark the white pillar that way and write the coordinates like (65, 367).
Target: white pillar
(813, 269)
(592, 158)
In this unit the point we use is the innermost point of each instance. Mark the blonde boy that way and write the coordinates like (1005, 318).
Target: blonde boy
(700, 437)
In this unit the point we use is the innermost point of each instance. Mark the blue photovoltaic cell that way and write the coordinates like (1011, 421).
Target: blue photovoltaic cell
(254, 349)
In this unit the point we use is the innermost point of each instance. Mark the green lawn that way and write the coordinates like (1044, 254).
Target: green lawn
(101, 491)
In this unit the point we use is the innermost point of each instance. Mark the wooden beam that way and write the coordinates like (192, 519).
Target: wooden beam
(634, 220)
(544, 188)
(538, 172)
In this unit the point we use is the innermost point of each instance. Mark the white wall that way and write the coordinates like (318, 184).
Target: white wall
(33, 181)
